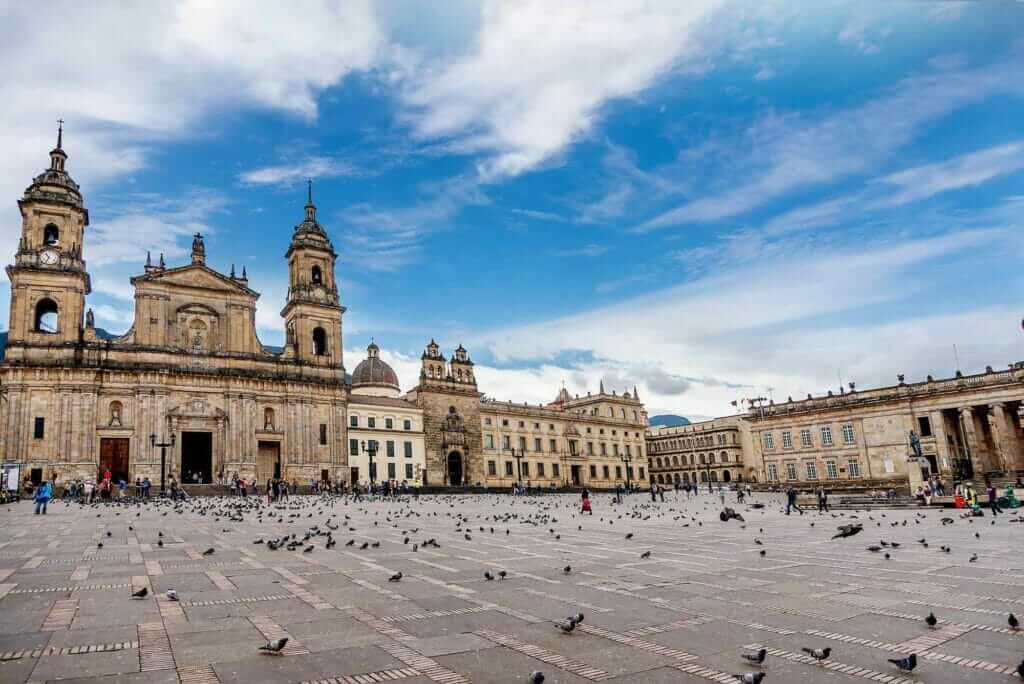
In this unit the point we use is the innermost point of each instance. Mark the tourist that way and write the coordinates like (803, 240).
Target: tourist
(791, 501)
(993, 499)
(586, 502)
(822, 500)
(146, 486)
(43, 493)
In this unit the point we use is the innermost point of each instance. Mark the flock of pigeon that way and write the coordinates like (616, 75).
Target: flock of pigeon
(539, 513)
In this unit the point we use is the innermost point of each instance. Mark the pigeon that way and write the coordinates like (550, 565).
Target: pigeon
(208, 552)
(99, 545)
(397, 577)
(172, 595)
(488, 576)
(108, 533)
(848, 530)
(567, 569)
(750, 677)
(906, 664)
(577, 618)
(973, 558)
(818, 654)
(756, 658)
(1013, 622)
(931, 620)
(159, 543)
(1020, 670)
(645, 554)
(763, 552)
(502, 575)
(275, 646)
(141, 593)
(537, 677)
(874, 548)
(629, 535)
(568, 626)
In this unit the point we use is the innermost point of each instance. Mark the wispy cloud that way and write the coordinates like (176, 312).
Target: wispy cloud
(793, 151)
(570, 59)
(289, 173)
(388, 238)
(954, 174)
(591, 250)
(154, 223)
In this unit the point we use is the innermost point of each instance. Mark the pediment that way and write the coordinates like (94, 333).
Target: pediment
(196, 276)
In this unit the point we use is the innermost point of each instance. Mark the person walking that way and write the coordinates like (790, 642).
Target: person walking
(586, 502)
(822, 500)
(993, 499)
(42, 496)
(146, 486)
(791, 501)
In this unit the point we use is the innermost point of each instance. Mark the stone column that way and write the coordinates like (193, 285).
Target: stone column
(1004, 433)
(977, 450)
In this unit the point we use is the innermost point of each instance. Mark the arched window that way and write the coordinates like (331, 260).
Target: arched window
(703, 476)
(51, 235)
(677, 478)
(46, 319)
(611, 412)
(316, 275)
(686, 478)
(726, 476)
(714, 476)
(724, 457)
(675, 461)
(622, 413)
(319, 341)
(658, 461)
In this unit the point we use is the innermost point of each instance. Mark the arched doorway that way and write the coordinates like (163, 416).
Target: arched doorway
(455, 469)
(726, 476)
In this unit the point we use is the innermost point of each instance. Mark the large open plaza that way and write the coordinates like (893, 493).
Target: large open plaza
(669, 592)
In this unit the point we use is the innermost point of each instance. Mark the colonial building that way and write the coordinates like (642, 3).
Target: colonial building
(383, 425)
(708, 451)
(962, 427)
(191, 391)
(191, 367)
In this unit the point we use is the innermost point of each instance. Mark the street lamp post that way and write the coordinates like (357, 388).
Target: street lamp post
(627, 459)
(370, 449)
(519, 464)
(163, 455)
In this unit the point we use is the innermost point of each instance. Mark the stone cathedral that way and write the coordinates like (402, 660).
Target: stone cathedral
(192, 374)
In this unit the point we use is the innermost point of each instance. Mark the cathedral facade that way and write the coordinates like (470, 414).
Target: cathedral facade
(190, 391)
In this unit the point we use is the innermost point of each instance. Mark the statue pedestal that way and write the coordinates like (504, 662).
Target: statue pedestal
(914, 474)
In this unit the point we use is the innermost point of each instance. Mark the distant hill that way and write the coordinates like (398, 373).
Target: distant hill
(668, 420)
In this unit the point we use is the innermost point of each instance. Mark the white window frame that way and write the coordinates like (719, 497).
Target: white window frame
(853, 467)
(787, 440)
(826, 435)
(831, 470)
(772, 472)
(848, 435)
(791, 473)
(805, 438)
(812, 470)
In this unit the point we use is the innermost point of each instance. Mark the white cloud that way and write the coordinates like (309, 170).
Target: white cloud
(129, 76)
(960, 172)
(765, 73)
(790, 151)
(151, 223)
(539, 73)
(289, 173)
(591, 250)
(762, 324)
(859, 33)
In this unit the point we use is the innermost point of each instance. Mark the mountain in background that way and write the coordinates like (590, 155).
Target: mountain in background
(100, 333)
(668, 420)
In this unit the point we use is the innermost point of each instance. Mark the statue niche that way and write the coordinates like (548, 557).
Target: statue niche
(198, 329)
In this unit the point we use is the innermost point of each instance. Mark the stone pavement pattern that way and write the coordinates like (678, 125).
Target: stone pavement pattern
(684, 614)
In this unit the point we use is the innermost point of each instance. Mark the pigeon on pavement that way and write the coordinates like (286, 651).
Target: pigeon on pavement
(275, 645)
(906, 664)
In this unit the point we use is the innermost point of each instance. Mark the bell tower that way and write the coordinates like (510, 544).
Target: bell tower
(312, 313)
(49, 282)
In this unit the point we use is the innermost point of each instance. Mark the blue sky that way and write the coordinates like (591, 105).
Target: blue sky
(709, 200)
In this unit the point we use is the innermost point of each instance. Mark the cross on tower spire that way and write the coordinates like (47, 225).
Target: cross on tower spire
(60, 132)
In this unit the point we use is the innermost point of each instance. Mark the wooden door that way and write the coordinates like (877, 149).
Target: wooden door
(268, 461)
(114, 457)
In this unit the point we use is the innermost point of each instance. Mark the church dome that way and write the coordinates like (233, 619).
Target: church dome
(373, 374)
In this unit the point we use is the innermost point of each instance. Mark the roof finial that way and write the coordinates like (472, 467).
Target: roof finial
(310, 207)
(244, 276)
(309, 191)
(602, 386)
(60, 132)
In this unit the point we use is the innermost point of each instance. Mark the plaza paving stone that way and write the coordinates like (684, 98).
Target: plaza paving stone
(685, 614)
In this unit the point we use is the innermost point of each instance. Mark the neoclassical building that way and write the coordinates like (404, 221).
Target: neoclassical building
(708, 451)
(192, 374)
(967, 426)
